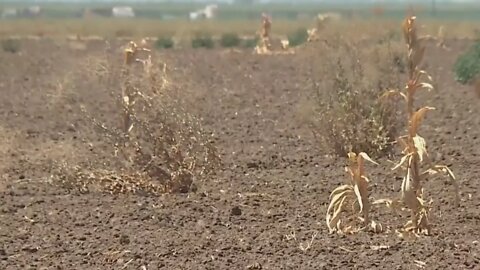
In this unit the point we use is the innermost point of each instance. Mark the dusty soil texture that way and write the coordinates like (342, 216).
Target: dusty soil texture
(264, 210)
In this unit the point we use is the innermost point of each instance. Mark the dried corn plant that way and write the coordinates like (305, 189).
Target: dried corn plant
(414, 146)
(132, 53)
(352, 198)
(285, 44)
(312, 35)
(264, 45)
(157, 146)
(321, 23)
(441, 38)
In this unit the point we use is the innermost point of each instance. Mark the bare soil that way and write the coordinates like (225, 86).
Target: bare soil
(266, 207)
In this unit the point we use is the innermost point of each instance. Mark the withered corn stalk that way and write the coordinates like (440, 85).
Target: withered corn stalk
(312, 35)
(414, 146)
(441, 38)
(321, 21)
(354, 195)
(285, 44)
(132, 53)
(265, 45)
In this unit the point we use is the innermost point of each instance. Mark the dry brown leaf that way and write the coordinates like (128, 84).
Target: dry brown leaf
(367, 158)
(421, 146)
(376, 227)
(417, 118)
(423, 73)
(402, 161)
(340, 189)
(333, 221)
(387, 202)
(427, 86)
(392, 93)
(360, 196)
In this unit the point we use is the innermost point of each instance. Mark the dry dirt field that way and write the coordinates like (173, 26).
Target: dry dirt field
(265, 207)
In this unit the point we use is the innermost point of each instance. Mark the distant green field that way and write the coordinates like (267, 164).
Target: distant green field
(280, 11)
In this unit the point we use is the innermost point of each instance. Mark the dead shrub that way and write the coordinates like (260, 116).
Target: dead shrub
(154, 146)
(348, 117)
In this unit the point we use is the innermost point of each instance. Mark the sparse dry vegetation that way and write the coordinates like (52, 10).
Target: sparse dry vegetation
(191, 158)
(348, 115)
(159, 147)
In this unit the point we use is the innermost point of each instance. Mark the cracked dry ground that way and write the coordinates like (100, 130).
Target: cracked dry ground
(264, 210)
